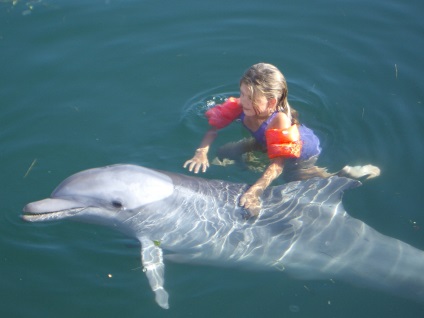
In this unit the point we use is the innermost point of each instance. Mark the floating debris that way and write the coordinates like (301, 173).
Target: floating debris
(30, 167)
(29, 4)
(414, 224)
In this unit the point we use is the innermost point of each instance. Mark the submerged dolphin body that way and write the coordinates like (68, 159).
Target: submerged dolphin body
(303, 228)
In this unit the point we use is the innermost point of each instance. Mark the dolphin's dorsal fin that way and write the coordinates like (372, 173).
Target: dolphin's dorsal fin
(152, 260)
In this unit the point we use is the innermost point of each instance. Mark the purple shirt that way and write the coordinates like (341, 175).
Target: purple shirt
(310, 146)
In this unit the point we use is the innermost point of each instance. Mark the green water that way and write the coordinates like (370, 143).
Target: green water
(90, 83)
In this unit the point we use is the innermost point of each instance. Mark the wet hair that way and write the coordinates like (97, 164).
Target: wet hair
(267, 80)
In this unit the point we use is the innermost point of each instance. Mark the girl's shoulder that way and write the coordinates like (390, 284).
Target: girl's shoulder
(280, 121)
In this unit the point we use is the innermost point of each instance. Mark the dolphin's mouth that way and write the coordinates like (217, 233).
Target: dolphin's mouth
(50, 216)
(52, 209)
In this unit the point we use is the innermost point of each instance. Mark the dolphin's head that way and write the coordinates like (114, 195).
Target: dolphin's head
(102, 195)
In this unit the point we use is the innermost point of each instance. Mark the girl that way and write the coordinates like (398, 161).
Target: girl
(265, 112)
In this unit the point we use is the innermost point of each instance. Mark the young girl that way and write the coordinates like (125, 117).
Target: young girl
(264, 110)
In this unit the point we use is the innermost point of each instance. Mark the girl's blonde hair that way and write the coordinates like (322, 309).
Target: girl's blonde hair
(266, 79)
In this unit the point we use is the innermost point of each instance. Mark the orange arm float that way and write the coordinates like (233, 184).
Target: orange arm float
(283, 142)
(222, 115)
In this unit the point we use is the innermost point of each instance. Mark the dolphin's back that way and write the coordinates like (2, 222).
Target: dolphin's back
(219, 232)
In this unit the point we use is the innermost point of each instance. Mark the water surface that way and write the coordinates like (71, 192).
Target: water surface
(86, 84)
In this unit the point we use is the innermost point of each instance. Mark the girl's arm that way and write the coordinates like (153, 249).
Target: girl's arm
(219, 117)
(250, 199)
(200, 159)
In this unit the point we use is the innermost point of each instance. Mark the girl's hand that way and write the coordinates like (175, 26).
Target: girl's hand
(251, 202)
(199, 161)
(250, 199)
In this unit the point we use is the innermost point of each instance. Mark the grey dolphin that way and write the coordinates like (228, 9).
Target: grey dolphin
(303, 228)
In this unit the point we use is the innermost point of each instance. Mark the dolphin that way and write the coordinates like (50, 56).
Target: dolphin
(302, 229)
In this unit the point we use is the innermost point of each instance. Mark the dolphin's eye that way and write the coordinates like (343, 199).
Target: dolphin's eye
(116, 204)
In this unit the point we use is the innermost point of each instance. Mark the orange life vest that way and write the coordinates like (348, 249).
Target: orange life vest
(283, 142)
(224, 114)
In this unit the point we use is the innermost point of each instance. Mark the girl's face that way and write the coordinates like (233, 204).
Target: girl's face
(261, 106)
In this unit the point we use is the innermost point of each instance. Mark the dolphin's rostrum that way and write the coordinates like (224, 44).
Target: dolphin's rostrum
(303, 228)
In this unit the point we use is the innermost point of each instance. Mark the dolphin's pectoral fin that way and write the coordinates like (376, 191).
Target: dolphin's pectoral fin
(152, 260)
